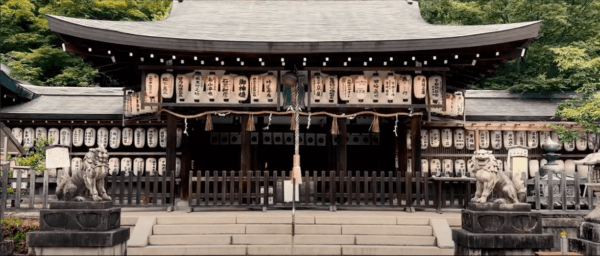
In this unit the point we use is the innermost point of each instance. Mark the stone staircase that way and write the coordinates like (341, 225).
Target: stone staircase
(254, 234)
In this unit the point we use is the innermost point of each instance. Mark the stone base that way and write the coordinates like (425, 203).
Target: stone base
(467, 243)
(584, 247)
(81, 205)
(502, 222)
(499, 207)
(7, 247)
(461, 250)
(78, 238)
(118, 249)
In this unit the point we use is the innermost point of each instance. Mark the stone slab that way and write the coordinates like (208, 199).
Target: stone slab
(189, 239)
(80, 205)
(268, 229)
(442, 233)
(461, 250)
(261, 239)
(324, 239)
(304, 220)
(7, 247)
(386, 230)
(189, 250)
(318, 229)
(128, 220)
(196, 220)
(78, 238)
(143, 229)
(499, 207)
(317, 250)
(356, 220)
(199, 229)
(269, 249)
(119, 249)
(584, 247)
(412, 221)
(389, 250)
(501, 222)
(80, 219)
(395, 240)
(264, 219)
(502, 241)
(590, 231)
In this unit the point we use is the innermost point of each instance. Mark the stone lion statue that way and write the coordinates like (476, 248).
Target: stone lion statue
(88, 180)
(490, 179)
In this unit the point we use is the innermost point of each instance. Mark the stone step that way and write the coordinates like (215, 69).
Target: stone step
(387, 230)
(261, 239)
(196, 220)
(392, 250)
(189, 239)
(199, 229)
(286, 250)
(395, 240)
(188, 250)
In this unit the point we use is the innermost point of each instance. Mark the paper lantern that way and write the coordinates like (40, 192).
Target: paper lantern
(420, 87)
(521, 138)
(28, 137)
(125, 166)
(484, 139)
(434, 138)
(139, 137)
(449, 104)
(316, 87)
(162, 137)
(496, 139)
(115, 138)
(136, 104)
(555, 138)
(41, 132)
(360, 87)
(390, 87)
(592, 139)
(179, 136)
(448, 167)
(128, 108)
(162, 166)
(256, 87)
(346, 87)
(543, 162)
(89, 137)
(152, 84)
(459, 102)
(435, 90)
(408, 140)
(54, 136)
(499, 164)
(183, 86)
(65, 136)
(533, 139)
(435, 167)
(152, 137)
(447, 138)
(561, 164)
(543, 137)
(226, 88)
(470, 140)
(460, 167)
(177, 166)
(424, 166)
(127, 136)
(375, 85)
(150, 166)
(138, 166)
(570, 166)
(581, 144)
(76, 164)
(78, 134)
(459, 139)
(103, 137)
(509, 139)
(470, 166)
(241, 85)
(18, 134)
(197, 86)
(570, 146)
(405, 87)
(270, 86)
(582, 170)
(534, 167)
(113, 166)
(424, 139)
(212, 85)
(167, 84)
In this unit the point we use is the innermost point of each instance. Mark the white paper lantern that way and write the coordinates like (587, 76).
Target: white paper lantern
(557, 140)
(226, 88)
(41, 132)
(424, 139)
(581, 144)
(127, 136)
(435, 167)
(459, 139)
(460, 167)
(162, 135)
(115, 138)
(162, 166)
(138, 166)
(28, 137)
(470, 143)
(177, 167)
(470, 166)
(212, 86)
(90, 137)
(521, 138)
(509, 139)
(139, 137)
(65, 136)
(256, 87)
(375, 85)
(152, 137)
(167, 84)
(270, 86)
(449, 104)
(390, 87)
(534, 167)
(447, 138)
(360, 87)
(125, 166)
(241, 87)
(152, 84)
(435, 90)
(197, 86)
(424, 166)
(484, 139)
(496, 139)
(592, 141)
(113, 166)
(460, 104)
(150, 166)
(405, 87)
(570, 166)
(346, 87)
(182, 83)
(78, 134)
(420, 87)
(582, 170)
(434, 138)
(543, 137)
(54, 136)
(103, 137)
(499, 164)
(76, 164)
(136, 104)
(128, 108)
(408, 140)
(570, 146)
(448, 167)
(316, 87)
(533, 139)
(179, 136)
(18, 134)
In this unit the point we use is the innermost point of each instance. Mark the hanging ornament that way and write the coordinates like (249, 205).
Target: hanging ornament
(150, 166)
(405, 86)
(241, 87)
(459, 139)
(581, 144)
(90, 137)
(256, 87)
(521, 138)
(41, 133)
(125, 166)
(459, 101)
(226, 87)
(534, 168)
(460, 168)
(113, 166)
(78, 134)
(436, 167)
(533, 139)
(374, 125)
(127, 135)
(424, 166)
(424, 139)
(54, 136)
(557, 140)
(28, 137)
(592, 140)
(140, 137)
(177, 167)
(360, 87)
(484, 139)
(470, 140)
(250, 124)
(183, 86)
(167, 84)
(420, 87)
(331, 88)
(162, 137)
(18, 134)
(390, 87)
(447, 138)
(212, 86)
(270, 86)
(197, 86)
(152, 137)
(509, 139)
(76, 164)
(65, 136)
(375, 85)
(496, 138)
(543, 137)
(316, 87)
(115, 138)
(138, 166)
(435, 90)
(102, 137)
(162, 166)
(408, 140)
(334, 127)
(152, 83)
(179, 136)
(346, 88)
(434, 138)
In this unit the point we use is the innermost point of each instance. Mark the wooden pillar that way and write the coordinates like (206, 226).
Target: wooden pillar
(245, 152)
(171, 144)
(186, 167)
(342, 163)
(415, 137)
(401, 150)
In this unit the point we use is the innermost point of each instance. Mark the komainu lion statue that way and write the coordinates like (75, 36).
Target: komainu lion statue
(490, 179)
(88, 180)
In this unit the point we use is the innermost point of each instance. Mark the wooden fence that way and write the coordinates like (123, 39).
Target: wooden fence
(559, 192)
(19, 193)
(148, 190)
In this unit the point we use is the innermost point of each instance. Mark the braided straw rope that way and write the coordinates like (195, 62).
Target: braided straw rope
(267, 112)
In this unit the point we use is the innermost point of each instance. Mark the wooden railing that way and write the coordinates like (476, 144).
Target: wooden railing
(142, 190)
(19, 193)
(567, 193)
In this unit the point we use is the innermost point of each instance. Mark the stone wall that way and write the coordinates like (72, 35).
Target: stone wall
(554, 224)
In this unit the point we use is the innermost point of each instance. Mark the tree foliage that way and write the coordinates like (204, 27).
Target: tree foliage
(33, 52)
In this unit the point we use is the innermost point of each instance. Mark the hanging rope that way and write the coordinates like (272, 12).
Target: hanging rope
(264, 112)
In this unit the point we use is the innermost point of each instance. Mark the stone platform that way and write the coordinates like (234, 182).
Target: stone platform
(468, 243)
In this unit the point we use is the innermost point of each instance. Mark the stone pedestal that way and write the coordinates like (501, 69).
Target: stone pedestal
(588, 239)
(79, 228)
(492, 229)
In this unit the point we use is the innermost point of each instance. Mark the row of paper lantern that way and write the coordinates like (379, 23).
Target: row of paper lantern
(102, 137)
(497, 139)
(137, 166)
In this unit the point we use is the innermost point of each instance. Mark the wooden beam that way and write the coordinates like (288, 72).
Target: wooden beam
(401, 150)
(171, 144)
(241, 68)
(360, 69)
(415, 138)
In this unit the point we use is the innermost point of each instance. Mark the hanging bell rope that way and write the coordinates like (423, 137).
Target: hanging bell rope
(375, 124)
(293, 123)
(209, 125)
